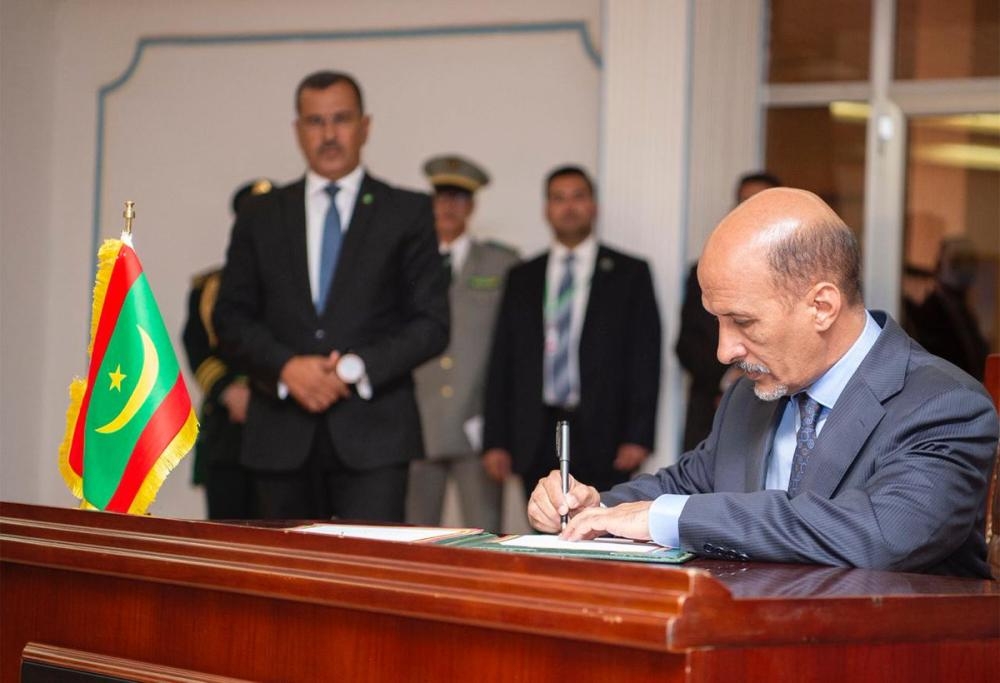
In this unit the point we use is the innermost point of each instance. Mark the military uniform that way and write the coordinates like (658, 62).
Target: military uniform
(451, 388)
(228, 488)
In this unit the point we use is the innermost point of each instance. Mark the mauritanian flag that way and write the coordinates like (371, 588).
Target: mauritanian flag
(131, 421)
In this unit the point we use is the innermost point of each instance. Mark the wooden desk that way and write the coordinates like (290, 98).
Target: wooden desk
(269, 604)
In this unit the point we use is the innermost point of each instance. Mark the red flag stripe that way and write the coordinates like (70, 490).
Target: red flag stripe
(125, 272)
(161, 429)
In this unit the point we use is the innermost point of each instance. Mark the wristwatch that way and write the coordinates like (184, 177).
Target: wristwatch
(351, 369)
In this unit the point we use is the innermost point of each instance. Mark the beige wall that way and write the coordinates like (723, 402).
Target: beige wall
(27, 77)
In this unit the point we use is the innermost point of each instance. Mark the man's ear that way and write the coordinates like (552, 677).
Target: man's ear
(366, 124)
(826, 301)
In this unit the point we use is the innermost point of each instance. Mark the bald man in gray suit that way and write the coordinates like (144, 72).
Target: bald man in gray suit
(450, 388)
(845, 443)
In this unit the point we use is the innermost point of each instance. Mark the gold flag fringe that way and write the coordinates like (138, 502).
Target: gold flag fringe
(77, 388)
(106, 257)
(178, 447)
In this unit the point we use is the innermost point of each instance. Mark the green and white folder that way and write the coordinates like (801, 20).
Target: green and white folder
(621, 549)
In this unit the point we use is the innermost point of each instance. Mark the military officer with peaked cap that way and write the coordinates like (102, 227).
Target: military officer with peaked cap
(450, 388)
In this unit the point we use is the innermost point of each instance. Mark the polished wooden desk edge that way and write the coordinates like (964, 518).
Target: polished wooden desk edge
(118, 668)
(651, 607)
(515, 592)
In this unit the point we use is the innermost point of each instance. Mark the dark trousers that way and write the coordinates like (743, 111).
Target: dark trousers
(326, 488)
(229, 491)
(586, 466)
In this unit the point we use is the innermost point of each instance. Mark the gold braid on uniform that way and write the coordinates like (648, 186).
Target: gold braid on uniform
(209, 372)
(212, 369)
(209, 293)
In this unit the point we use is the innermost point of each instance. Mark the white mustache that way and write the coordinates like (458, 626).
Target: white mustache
(753, 367)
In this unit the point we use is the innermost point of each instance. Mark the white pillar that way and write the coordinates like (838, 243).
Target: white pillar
(726, 128)
(644, 149)
(885, 173)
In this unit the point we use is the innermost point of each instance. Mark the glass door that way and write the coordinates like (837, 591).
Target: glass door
(951, 236)
(890, 110)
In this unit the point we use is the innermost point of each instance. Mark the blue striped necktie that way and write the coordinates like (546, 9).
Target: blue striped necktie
(562, 381)
(805, 439)
(330, 250)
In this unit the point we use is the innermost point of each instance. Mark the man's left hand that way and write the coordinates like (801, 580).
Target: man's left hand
(630, 456)
(627, 520)
(236, 398)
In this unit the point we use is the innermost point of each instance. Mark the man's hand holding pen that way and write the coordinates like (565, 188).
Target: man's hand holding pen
(548, 503)
(587, 519)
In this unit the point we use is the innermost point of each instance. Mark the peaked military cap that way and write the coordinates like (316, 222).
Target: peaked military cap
(453, 171)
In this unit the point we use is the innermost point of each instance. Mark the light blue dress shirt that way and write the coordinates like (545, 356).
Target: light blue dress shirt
(666, 509)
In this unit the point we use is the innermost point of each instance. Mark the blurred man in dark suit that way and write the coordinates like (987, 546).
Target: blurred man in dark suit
(699, 336)
(331, 295)
(944, 323)
(577, 339)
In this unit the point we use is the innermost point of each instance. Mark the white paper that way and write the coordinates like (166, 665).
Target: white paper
(403, 534)
(473, 428)
(600, 545)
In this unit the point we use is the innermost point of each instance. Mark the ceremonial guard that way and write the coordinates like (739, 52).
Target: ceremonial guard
(228, 489)
(450, 388)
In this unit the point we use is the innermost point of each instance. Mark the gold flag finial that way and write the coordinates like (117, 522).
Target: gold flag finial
(129, 215)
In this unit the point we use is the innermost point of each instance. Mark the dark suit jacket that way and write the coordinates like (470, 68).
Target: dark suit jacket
(697, 343)
(897, 480)
(218, 438)
(388, 303)
(619, 360)
(946, 326)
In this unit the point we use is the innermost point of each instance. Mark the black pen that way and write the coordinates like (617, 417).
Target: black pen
(562, 451)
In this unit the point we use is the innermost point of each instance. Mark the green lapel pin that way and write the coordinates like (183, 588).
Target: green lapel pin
(484, 282)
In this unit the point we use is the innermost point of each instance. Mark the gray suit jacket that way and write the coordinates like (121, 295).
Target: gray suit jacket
(450, 388)
(897, 481)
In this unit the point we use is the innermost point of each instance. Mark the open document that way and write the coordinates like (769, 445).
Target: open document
(477, 539)
(598, 549)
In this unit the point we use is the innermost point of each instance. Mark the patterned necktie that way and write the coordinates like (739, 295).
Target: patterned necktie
(805, 439)
(562, 382)
(446, 265)
(330, 249)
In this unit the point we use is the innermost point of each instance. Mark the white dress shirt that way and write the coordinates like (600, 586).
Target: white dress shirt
(317, 204)
(825, 391)
(459, 250)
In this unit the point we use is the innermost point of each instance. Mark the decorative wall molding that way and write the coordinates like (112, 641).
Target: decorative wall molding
(145, 43)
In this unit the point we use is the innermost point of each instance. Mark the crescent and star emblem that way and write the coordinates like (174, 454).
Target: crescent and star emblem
(143, 388)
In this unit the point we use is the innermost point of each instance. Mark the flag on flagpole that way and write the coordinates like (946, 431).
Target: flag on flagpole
(131, 420)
